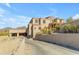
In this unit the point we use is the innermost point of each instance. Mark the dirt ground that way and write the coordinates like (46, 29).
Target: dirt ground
(13, 45)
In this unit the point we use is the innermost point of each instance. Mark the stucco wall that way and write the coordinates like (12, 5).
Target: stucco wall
(70, 40)
(17, 31)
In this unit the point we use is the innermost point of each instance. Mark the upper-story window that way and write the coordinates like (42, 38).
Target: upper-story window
(36, 21)
(44, 21)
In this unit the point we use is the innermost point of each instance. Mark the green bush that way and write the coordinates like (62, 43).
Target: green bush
(4, 33)
(69, 28)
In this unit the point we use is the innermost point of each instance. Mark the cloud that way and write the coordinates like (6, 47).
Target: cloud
(76, 16)
(15, 21)
(1, 15)
(21, 17)
(23, 20)
(2, 12)
(8, 5)
(8, 19)
(2, 23)
(12, 20)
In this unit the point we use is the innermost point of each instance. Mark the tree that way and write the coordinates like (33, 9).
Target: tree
(69, 20)
(57, 27)
(73, 29)
(69, 28)
(64, 28)
(45, 30)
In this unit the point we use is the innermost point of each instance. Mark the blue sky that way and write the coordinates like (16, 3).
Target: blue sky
(19, 14)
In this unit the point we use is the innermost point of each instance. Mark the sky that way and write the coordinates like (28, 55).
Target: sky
(19, 14)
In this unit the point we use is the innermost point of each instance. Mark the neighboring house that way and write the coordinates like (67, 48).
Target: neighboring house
(75, 22)
(17, 32)
(36, 24)
(13, 32)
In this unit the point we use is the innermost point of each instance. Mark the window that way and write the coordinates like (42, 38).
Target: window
(44, 21)
(39, 28)
(36, 21)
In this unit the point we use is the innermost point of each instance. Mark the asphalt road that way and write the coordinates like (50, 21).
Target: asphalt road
(24, 46)
(43, 48)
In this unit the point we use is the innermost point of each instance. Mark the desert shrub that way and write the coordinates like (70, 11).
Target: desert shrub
(4, 33)
(69, 28)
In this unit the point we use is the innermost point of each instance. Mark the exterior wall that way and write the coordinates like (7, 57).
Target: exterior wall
(35, 30)
(17, 31)
(34, 19)
(38, 25)
(29, 29)
(58, 21)
(47, 21)
(35, 27)
(68, 40)
(62, 21)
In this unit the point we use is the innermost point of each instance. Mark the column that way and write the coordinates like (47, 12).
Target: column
(17, 34)
(10, 35)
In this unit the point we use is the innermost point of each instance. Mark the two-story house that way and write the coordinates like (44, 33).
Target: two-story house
(36, 24)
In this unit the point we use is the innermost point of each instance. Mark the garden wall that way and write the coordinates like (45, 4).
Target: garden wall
(68, 40)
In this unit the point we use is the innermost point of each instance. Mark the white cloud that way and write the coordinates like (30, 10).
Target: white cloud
(76, 16)
(12, 20)
(22, 17)
(8, 5)
(2, 23)
(2, 12)
(1, 15)
(8, 19)
(15, 21)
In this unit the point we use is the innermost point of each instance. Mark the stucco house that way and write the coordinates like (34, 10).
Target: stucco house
(36, 24)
